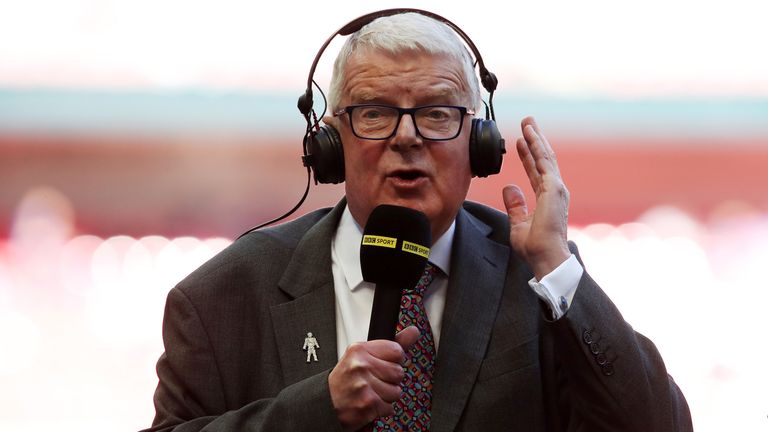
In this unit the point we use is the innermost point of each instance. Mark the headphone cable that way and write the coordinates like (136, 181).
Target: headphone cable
(278, 219)
(307, 134)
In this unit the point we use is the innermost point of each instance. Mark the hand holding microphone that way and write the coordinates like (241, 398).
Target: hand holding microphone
(366, 381)
(394, 252)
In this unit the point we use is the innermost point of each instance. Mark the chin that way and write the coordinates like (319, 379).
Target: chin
(415, 203)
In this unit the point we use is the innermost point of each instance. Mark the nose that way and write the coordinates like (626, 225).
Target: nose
(406, 136)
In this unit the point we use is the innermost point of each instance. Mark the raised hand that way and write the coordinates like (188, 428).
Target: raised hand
(539, 237)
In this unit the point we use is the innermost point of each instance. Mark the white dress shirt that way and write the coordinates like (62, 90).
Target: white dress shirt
(354, 296)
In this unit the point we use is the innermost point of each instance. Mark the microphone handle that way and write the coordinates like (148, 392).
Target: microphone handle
(385, 312)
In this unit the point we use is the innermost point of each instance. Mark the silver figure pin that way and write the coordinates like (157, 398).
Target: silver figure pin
(310, 345)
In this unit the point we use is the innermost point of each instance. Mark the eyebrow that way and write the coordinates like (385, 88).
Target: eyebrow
(365, 96)
(440, 95)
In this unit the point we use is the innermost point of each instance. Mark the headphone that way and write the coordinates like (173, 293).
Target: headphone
(324, 151)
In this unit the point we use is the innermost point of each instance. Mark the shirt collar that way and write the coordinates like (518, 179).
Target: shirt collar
(349, 235)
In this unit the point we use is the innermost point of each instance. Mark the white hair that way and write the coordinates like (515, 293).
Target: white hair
(405, 32)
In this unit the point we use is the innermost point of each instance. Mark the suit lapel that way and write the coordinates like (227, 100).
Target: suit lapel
(478, 270)
(308, 281)
(477, 278)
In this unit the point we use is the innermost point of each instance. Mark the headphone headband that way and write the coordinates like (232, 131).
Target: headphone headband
(487, 78)
(323, 149)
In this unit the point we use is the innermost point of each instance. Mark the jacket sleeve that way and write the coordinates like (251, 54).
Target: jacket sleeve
(611, 378)
(190, 395)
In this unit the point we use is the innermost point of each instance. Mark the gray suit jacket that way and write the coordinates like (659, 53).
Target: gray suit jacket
(234, 330)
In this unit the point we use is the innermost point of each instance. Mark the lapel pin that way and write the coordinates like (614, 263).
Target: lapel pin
(310, 346)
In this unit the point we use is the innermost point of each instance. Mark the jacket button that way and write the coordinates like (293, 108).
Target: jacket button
(600, 358)
(587, 337)
(608, 369)
(594, 347)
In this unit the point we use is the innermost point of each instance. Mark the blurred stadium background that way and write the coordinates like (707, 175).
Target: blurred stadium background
(139, 138)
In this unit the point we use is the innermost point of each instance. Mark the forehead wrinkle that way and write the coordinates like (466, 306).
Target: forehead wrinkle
(434, 81)
(364, 95)
(428, 94)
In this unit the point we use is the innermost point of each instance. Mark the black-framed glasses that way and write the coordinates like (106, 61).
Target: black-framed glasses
(380, 122)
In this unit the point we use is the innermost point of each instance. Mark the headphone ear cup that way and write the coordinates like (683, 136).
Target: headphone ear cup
(486, 148)
(326, 155)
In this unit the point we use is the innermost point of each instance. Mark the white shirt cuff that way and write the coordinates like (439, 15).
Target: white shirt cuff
(559, 286)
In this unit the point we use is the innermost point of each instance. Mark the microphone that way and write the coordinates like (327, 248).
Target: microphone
(393, 254)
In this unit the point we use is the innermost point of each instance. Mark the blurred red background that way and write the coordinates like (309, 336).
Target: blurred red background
(218, 186)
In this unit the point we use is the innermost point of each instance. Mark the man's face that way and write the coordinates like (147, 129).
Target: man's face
(406, 169)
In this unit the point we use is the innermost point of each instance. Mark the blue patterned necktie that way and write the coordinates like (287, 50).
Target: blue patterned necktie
(413, 410)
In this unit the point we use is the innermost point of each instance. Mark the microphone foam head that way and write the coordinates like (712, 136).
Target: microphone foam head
(395, 246)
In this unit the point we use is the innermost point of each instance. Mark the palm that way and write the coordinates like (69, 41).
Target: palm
(539, 237)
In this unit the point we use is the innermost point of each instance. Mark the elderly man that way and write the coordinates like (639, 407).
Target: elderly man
(518, 336)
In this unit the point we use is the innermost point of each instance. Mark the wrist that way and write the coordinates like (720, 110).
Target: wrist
(544, 264)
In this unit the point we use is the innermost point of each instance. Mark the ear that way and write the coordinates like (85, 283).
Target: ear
(331, 121)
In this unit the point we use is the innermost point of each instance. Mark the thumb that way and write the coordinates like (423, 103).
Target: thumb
(514, 201)
(407, 337)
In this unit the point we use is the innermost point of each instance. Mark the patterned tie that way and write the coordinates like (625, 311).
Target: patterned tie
(413, 410)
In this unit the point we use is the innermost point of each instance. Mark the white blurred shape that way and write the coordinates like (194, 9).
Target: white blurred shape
(20, 337)
(112, 312)
(669, 221)
(656, 46)
(697, 293)
(131, 279)
(107, 263)
(75, 264)
(42, 224)
(43, 215)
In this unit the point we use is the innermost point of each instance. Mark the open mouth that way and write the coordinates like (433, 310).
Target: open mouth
(407, 174)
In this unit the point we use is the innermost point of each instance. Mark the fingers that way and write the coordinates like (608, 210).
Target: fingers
(382, 360)
(367, 380)
(385, 350)
(407, 337)
(529, 164)
(385, 372)
(536, 145)
(530, 121)
(515, 203)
